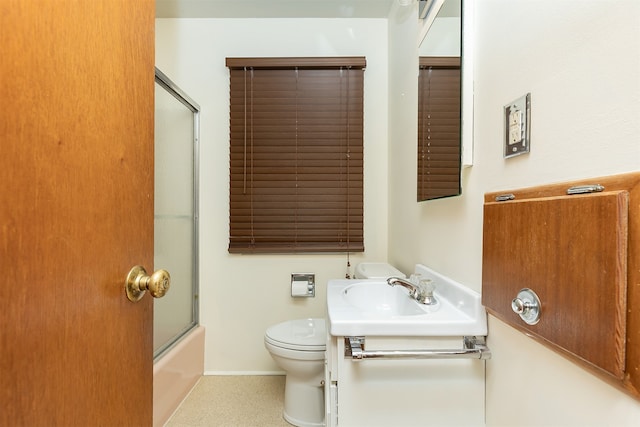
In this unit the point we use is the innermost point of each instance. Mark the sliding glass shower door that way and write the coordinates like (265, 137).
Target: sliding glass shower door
(176, 212)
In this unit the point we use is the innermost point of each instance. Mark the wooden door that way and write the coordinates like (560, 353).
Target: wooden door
(76, 211)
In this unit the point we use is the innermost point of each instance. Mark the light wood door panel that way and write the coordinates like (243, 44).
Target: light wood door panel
(76, 198)
(499, 306)
(571, 251)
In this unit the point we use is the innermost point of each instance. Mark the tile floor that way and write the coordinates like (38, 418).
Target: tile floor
(233, 401)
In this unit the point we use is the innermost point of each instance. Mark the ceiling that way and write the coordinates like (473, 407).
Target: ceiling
(273, 8)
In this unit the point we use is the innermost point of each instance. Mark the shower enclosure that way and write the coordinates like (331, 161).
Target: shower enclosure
(176, 212)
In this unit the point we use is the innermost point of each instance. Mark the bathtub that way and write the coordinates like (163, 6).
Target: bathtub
(175, 374)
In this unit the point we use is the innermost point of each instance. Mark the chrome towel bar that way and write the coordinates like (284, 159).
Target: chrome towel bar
(473, 348)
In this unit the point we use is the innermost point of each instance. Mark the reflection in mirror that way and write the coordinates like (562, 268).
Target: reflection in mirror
(439, 101)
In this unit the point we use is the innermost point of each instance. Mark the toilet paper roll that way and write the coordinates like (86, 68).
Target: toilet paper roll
(300, 288)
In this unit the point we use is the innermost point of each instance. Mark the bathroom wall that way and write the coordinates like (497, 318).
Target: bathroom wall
(581, 63)
(241, 295)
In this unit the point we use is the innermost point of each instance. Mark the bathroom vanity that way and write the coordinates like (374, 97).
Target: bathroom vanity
(389, 363)
(405, 392)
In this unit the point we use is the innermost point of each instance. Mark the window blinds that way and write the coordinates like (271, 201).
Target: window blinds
(438, 127)
(296, 155)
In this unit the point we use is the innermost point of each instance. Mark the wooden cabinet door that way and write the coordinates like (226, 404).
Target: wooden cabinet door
(76, 211)
(572, 252)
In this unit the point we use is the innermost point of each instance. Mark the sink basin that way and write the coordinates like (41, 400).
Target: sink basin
(377, 297)
(371, 307)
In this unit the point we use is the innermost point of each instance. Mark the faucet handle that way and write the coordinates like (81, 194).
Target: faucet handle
(427, 286)
(415, 278)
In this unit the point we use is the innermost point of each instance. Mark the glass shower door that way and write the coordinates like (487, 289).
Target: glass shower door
(176, 212)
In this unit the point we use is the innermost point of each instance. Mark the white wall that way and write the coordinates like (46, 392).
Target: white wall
(581, 63)
(242, 295)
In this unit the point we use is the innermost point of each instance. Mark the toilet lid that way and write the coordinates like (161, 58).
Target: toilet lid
(301, 334)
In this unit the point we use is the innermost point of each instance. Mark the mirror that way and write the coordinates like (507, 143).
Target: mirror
(439, 100)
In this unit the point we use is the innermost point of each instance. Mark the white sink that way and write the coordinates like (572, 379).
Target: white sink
(371, 307)
(376, 297)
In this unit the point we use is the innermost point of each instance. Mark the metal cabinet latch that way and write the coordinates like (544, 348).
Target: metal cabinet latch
(584, 189)
(527, 306)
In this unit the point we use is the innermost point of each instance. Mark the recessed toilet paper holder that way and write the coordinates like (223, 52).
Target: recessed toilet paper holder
(303, 285)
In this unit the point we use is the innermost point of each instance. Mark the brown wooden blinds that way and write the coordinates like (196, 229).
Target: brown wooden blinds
(438, 127)
(296, 155)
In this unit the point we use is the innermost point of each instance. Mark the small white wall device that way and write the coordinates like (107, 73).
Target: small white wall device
(517, 119)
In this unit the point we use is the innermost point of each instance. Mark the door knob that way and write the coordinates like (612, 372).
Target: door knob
(138, 281)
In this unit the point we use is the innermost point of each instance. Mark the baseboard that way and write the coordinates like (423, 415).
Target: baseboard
(221, 373)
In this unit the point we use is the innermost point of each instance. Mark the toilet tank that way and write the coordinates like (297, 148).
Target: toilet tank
(377, 270)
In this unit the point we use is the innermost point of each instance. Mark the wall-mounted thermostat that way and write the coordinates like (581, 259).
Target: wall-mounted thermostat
(517, 120)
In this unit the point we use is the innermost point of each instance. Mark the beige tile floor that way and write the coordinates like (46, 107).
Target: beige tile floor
(233, 401)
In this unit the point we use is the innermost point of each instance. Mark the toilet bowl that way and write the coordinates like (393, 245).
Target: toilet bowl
(298, 346)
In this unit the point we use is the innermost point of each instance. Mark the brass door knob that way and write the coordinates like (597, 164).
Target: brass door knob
(138, 282)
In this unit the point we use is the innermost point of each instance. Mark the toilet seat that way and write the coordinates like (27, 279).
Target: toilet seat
(300, 335)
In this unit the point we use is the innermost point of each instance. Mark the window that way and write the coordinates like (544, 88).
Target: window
(296, 155)
(438, 127)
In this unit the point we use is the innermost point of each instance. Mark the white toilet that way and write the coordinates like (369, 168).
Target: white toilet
(298, 346)
(377, 270)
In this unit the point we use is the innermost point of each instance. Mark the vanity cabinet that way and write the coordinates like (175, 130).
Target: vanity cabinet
(383, 392)
(574, 245)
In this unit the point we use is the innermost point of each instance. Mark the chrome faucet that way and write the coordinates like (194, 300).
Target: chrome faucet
(421, 292)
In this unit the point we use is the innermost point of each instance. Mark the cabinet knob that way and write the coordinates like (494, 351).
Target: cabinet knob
(527, 306)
